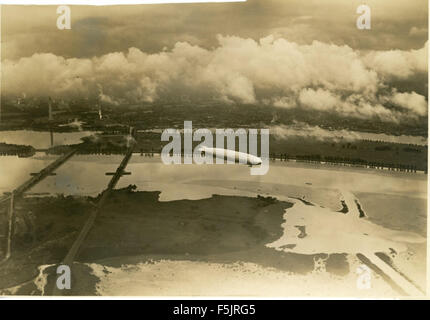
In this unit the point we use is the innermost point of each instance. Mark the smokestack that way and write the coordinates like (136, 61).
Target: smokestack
(50, 109)
(100, 112)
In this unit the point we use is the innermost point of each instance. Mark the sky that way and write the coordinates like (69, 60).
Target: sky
(305, 54)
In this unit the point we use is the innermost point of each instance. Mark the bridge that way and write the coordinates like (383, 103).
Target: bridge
(18, 192)
(74, 250)
(39, 176)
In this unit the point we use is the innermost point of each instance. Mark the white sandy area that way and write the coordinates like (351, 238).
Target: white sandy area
(333, 232)
(191, 278)
(330, 232)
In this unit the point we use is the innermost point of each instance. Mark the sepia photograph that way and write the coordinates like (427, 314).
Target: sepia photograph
(259, 148)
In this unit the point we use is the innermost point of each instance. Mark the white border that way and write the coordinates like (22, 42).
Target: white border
(106, 2)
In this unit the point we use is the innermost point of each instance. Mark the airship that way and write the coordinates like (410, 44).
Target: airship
(232, 156)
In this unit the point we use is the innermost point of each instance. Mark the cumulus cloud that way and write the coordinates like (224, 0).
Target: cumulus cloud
(397, 63)
(319, 99)
(299, 129)
(278, 72)
(411, 101)
(356, 105)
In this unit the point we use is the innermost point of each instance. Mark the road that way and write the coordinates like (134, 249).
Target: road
(71, 255)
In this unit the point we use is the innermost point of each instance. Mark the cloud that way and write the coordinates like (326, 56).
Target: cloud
(319, 99)
(411, 101)
(299, 129)
(97, 30)
(354, 105)
(274, 71)
(397, 63)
